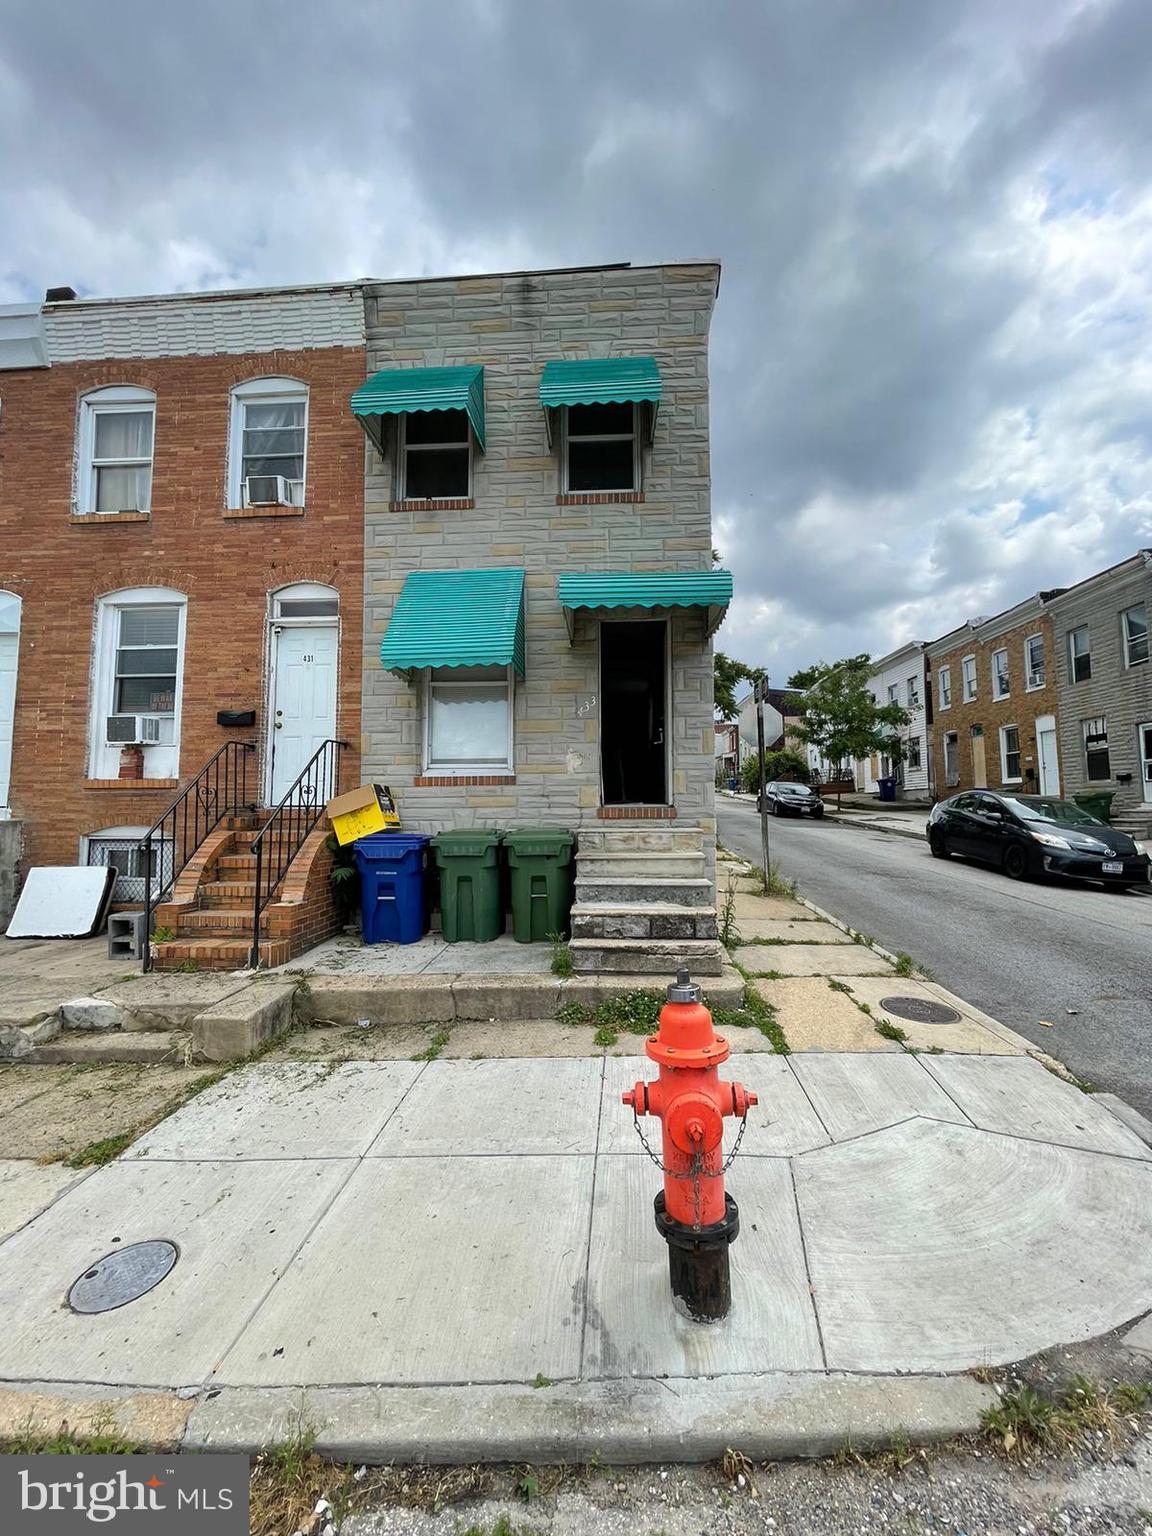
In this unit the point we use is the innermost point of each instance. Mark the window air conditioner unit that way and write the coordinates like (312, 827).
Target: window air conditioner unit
(150, 730)
(268, 491)
(1035, 679)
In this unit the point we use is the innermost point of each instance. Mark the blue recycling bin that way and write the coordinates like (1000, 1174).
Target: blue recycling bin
(887, 788)
(393, 897)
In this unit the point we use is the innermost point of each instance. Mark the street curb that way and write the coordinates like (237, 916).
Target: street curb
(1137, 1123)
(771, 1417)
(859, 826)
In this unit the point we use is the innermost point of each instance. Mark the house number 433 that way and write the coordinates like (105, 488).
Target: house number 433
(586, 706)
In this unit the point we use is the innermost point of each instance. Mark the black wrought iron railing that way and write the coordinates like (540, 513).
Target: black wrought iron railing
(223, 787)
(282, 836)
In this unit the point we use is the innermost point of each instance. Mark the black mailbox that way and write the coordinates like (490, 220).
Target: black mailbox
(235, 717)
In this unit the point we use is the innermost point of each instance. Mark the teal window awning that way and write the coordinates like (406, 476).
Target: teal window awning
(457, 619)
(711, 590)
(601, 381)
(397, 391)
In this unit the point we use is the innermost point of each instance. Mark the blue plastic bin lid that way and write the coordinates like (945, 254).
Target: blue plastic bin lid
(387, 845)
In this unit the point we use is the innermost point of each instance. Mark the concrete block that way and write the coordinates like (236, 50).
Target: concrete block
(19, 1041)
(1137, 1123)
(391, 1000)
(91, 1013)
(243, 1022)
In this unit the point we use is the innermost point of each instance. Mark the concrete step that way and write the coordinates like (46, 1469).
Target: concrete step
(227, 893)
(630, 864)
(657, 920)
(78, 1047)
(629, 891)
(652, 957)
(644, 837)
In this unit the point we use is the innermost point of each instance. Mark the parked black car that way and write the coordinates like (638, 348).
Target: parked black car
(1035, 835)
(786, 799)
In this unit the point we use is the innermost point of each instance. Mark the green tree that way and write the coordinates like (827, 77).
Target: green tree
(728, 675)
(781, 764)
(841, 718)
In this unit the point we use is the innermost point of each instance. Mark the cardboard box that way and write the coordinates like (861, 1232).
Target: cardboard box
(370, 808)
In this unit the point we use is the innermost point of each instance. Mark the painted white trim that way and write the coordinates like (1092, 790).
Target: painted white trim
(160, 761)
(1126, 639)
(604, 437)
(1029, 685)
(1005, 776)
(1045, 725)
(997, 691)
(260, 391)
(113, 400)
(1142, 761)
(943, 703)
(1075, 630)
(12, 604)
(463, 770)
(965, 696)
(273, 624)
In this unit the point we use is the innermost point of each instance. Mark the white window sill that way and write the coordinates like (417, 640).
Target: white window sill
(1036, 688)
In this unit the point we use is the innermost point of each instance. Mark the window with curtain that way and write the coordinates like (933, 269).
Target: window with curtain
(117, 427)
(268, 453)
(469, 719)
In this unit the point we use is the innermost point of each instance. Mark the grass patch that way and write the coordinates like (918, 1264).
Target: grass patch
(889, 1031)
(839, 986)
(96, 1153)
(439, 1040)
(605, 1035)
(562, 963)
(162, 936)
(754, 1013)
(1023, 1422)
(102, 1440)
(572, 1012)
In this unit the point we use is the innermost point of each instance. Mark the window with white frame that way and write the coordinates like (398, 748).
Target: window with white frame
(1134, 622)
(1000, 685)
(945, 685)
(1010, 754)
(968, 672)
(121, 847)
(893, 693)
(1097, 759)
(137, 680)
(951, 759)
(468, 720)
(268, 445)
(601, 447)
(1079, 654)
(912, 752)
(114, 453)
(435, 455)
(1035, 670)
(913, 692)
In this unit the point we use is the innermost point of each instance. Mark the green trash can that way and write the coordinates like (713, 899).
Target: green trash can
(540, 864)
(470, 904)
(1097, 802)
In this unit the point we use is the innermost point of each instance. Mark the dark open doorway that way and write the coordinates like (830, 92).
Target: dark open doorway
(633, 727)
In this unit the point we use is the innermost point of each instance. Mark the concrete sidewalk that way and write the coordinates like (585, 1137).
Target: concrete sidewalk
(401, 1250)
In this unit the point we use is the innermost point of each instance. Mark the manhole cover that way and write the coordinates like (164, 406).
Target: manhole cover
(121, 1277)
(919, 1010)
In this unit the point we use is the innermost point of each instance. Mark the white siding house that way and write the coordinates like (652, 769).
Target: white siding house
(899, 678)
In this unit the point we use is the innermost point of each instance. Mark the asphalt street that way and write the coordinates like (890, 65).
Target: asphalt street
(1077, 956)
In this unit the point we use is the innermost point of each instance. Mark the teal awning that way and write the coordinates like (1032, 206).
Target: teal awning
(646, 589)
(601, 381)
(457, 619)
(395, 391)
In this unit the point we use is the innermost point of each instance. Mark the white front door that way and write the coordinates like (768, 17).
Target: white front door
(303, 700)
(1049, 760)
(1143, 751)
(8, 648)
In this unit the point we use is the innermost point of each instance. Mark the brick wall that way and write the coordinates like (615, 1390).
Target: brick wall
(517, 517)
(1021, 708)
(61, 565)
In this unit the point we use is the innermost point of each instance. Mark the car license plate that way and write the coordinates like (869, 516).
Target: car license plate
(1112, 867)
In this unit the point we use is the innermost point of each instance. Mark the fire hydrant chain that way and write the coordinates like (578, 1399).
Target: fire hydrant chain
(716, 1173)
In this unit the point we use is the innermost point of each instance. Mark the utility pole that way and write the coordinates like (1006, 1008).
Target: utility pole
(760, 694)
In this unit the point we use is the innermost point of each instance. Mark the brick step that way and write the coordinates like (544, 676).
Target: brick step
(217, 953)
(227, 893)
(657, 920)
(650, 957)
(631, 864)
(217, 920)
(611, 890)
(643, 837)
(237, 866)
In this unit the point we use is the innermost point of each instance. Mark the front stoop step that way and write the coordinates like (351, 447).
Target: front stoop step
(170, 1047)
(602, 890)
(655, 920)
(703, 957)
(629, 864)
(641, 837)
(217, 953)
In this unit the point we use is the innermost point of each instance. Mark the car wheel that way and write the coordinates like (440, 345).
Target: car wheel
(1015, 862)
(938, 847)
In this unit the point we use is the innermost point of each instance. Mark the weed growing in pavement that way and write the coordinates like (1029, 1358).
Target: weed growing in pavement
(162, 936)
(839, 986)
(189, 967)
(96, 1153)
(891, 1458)
(606, 1036)
(573, 1012)
(101, 1440)
(861, 938)
(542, 1380)
(1023, 1422)
(729, 936)
(439, 1040)
(501, 1526)
(890, 1031)
(288, 1479)
(904, 965)
(753, 1013)
(562, 964)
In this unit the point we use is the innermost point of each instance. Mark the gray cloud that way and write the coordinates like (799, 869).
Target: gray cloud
(930, 356)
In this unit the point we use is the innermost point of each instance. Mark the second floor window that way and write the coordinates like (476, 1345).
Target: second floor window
(115, 452)
(1000, 684)
(1034, 661)
(435, 455)
(913, 692)
(969, 669)
(268, 452)
(945, 687)
(1079, 654)
(893, 693)
(1134, 622)
(601, 448)
(1097, 762)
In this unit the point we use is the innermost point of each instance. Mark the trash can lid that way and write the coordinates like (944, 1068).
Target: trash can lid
(384, 843)
(543, 840)
(467, 840)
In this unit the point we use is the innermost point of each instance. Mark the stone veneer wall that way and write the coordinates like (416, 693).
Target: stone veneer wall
(513, 325)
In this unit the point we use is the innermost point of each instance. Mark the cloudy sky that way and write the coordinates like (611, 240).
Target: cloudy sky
(932, 382)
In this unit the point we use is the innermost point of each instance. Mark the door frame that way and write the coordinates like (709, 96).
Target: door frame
(1145, 784)
(1045, 725)
(667, 623)
(272, 628)
(6, 797)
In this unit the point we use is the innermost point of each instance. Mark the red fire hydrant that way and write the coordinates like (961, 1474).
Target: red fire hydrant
(694, 1216)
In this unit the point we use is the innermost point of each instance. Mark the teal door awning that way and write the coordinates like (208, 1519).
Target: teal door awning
(601, 381)
(646, 589)
(457, 619)
(395, 391)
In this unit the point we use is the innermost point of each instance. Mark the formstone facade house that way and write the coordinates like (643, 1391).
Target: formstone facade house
(181, 588)
(1105, 688)
(995, 703)
(901, 678)
(538, 584)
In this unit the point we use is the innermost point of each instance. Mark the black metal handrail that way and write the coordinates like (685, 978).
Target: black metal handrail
(220, 789)
(282, 836)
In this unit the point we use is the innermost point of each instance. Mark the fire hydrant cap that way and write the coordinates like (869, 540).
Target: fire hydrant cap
(683, 989)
